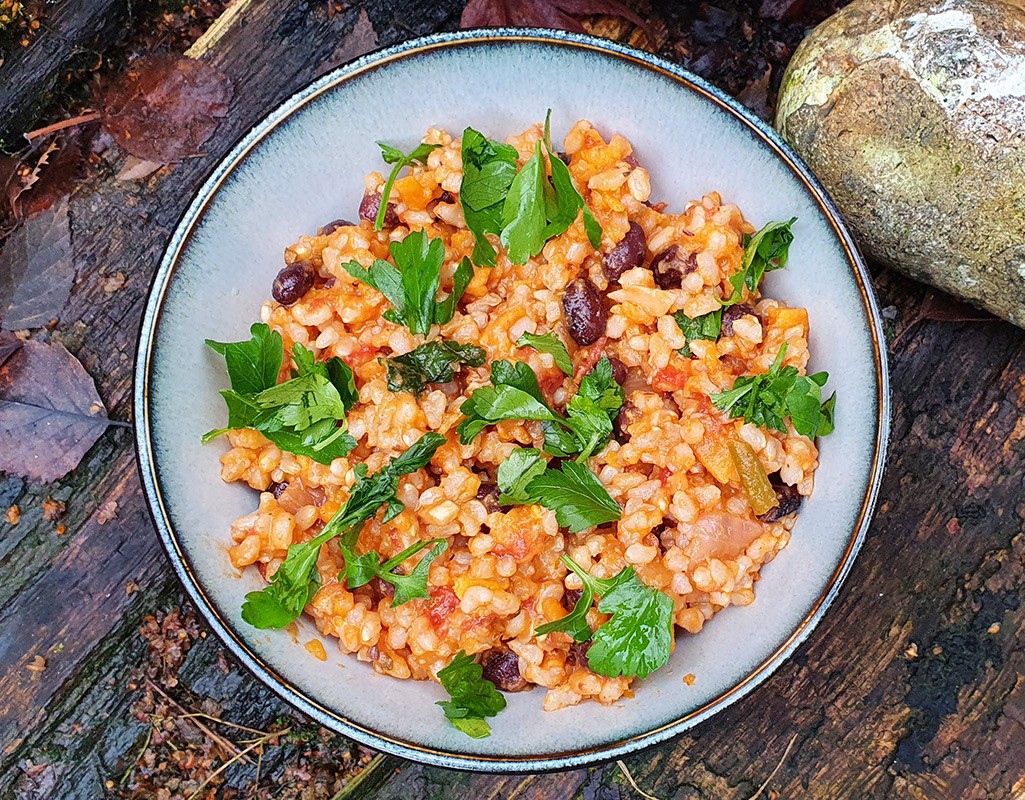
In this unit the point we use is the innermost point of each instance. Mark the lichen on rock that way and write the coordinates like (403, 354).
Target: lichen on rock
(912, 113)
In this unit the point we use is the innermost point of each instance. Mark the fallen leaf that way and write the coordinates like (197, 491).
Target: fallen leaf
(756, 95)
(50, 413)
(361, 39)
(114, 282)
(8, 344)
(562, 14)
(165, 107)
(780, 9)
(135, 169)
(57, 179)
(941, 307)
(26, 181)
(37, 270)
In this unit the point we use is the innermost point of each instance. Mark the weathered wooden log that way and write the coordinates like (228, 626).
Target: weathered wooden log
(29, 74)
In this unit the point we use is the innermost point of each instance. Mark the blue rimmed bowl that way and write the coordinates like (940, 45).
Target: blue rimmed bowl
(303, 165)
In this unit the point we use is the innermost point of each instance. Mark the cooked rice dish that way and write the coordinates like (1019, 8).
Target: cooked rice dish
(688, 475)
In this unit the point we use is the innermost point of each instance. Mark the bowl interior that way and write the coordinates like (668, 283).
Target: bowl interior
(303, 167)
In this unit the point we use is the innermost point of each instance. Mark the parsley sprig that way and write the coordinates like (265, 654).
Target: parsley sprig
(392, 155)
(411, 286)
(297, 579)
(767, 399)
(431, 362)
(523, 208)
(638, 637)
(300, 415)
(361, 569)
(473, 696)
(515, 394)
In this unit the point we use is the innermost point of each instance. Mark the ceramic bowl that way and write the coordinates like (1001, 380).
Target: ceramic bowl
(302, 166)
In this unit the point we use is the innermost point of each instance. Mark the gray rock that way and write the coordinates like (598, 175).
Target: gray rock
(912, 113)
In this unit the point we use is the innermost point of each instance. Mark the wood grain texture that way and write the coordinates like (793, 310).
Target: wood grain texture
(911, 686)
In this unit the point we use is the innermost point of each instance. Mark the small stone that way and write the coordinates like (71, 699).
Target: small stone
(912, 115)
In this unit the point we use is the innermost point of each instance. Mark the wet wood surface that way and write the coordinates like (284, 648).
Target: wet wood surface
(911, 686)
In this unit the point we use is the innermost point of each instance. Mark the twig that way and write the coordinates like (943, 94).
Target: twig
(228, 746)
(633, 783)
(772, 774)
(72, 122)
(257, 743)
(135, 763)
(225, 722)
(360, 778)
(220, 27)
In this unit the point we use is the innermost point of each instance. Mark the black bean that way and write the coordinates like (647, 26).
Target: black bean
(371, 204)
(293, 282)
(618, 369)
(632, 161)
(488, 495)
(332, 226)
(447, 197)
(621, 423)
(578, 653)
(671, 265)
(570, 598)
(789, 503)
(628, 254)
(563, 158)
(502, 668)
(276, 488)
(732, 314)
(586, 317)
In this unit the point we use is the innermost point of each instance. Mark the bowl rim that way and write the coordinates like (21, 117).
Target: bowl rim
(296, 696)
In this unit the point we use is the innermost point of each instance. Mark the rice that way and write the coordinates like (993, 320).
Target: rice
(683, 531)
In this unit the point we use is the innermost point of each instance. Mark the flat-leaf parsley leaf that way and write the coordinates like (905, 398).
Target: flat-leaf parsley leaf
(301, 415)
(767, 399)
(473, 697)
(638, 637)
(412, 284)
(551, 344)
(431, 362)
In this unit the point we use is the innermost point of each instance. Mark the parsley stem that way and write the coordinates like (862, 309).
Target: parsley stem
(386, 193)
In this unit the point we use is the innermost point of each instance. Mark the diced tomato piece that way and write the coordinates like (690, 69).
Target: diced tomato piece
(360, 356)
(443, 602)
(669, 379)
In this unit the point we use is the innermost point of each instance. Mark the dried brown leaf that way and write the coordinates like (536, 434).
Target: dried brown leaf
(780, 9)
(562, 14)
(165, 107)
(57, 179)
(50, 413)
(756, 95)
(361, 39)
(135, 169)
(944, 308)
(8, 344)
(941, 307)
(37, 269)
